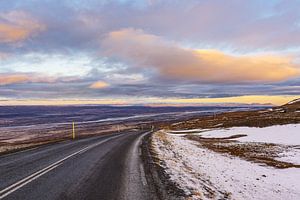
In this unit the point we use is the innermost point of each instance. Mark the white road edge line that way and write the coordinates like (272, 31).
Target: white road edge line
(143, 175)
(8, 190)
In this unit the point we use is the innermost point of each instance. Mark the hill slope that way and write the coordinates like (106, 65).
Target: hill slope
(285, 114)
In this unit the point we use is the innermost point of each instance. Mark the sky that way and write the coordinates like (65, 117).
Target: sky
(149, 51)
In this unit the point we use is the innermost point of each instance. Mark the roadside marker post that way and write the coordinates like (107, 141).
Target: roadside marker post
(73, 130)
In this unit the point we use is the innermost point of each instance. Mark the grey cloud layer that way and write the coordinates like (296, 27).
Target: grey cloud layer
(234, 24)
(83, 26)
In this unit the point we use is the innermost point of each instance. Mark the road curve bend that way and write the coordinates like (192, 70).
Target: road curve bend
(102, 167)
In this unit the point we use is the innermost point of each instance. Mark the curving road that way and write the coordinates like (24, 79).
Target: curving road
(102, 167)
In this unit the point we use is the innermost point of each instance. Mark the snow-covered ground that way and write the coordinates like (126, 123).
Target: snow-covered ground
(287, 136)
(190, 130)
(284, 134)
(205, 174)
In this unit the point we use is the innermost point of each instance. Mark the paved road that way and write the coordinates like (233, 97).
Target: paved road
(104, 167)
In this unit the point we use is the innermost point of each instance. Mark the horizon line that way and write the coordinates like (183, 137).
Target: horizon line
(180, 102)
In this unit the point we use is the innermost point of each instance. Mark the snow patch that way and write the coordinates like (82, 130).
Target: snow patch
(285, 134)
(189, 130)
(291, 156)
(204, 174)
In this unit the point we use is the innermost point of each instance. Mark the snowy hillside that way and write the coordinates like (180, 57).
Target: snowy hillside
(207, 168)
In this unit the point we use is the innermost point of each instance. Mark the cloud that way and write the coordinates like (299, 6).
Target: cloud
(18, 78)
(254, 25)
(238, 26)
(16, 26)
(12, 79)
(3, 55)
(172, 61)
(149, 64)
(99, 85)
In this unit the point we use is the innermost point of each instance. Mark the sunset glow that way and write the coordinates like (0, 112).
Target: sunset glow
(177, 52)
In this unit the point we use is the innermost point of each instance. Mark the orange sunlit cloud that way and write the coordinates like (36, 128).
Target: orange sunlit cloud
(16, 26)
(12, 79)
(211, 66)
(99, 85)
(8, 79)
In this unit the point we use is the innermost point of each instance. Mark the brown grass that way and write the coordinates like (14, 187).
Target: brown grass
(264, 153)
(261, 118)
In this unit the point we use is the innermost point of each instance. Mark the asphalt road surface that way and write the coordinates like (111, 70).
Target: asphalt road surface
(103, 167)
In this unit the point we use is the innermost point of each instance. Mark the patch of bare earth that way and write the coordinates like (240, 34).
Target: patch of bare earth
(264, 153)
